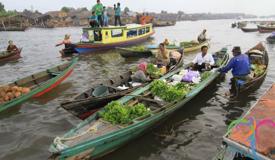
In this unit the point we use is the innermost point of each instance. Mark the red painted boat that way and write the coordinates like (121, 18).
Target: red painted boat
(10, 56)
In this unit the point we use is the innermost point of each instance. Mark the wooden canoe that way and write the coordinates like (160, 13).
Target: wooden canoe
(252, 136)
(13, 29)
(10, 56)
(258, 51)
(95, 137)
(270, 39)
(132, 52)
(190, 47)
(40, 83)
(85, 104)
(266, 28)
(245, 29)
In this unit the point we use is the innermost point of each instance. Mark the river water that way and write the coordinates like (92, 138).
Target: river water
(193, 133)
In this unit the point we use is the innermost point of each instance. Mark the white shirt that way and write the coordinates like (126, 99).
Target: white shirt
(208, 58)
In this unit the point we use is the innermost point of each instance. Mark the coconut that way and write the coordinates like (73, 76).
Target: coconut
(25, 90)
(17, 94)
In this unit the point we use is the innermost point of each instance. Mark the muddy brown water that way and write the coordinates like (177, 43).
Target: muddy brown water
(193, 133)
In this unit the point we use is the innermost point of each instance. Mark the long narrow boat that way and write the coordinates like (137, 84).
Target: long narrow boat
(85, 104)
(10, 56)
(247, 29)
(96, 137)
(145, 51)
(190, 47)
(252, 136)
(271, 38)
(266, 28)
(140, 52)
(40, 83)
(110, 37)
(13, 29)
(259, 58)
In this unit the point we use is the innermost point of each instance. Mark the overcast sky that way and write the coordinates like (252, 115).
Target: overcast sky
(257, 7)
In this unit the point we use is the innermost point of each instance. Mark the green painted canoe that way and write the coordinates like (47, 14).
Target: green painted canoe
(191, 47)
(40, 83)
(95, 137)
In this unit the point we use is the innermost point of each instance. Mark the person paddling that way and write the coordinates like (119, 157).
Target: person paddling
(11, 47)
(202, 36)
(67, 43)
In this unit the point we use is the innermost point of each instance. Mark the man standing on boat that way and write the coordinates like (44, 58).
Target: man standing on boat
(98, 9)
(240, 66)
(203, 60)
(117, 14)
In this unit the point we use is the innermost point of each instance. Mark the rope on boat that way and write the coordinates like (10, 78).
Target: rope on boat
(61, 146)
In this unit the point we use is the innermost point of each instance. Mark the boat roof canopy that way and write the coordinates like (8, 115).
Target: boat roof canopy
(128, 26)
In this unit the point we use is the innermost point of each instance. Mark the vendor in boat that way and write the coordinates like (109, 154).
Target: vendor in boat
(203, 60)
(202, 36)
(93, 20)
(166, 42)
(166, 58)
(240, 66)
(140, 74)
(162, 57)
(11, 47)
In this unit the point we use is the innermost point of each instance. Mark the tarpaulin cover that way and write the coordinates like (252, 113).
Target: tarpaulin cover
(257, 129)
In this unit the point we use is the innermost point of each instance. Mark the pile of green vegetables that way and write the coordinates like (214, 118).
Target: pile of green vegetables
(205, 75)
(168, 92)
(258, 69)
(139, 48)
(187, 44)
(117, 113)
(153, 71)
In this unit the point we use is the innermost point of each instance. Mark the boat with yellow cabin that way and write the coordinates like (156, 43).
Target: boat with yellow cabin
(103, 38)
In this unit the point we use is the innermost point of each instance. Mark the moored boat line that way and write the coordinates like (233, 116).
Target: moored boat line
(95, 137)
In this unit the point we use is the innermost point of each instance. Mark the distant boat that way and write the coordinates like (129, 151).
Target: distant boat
(105, 38)
(266, 28)
(11, 29)
(250, 28)
(9, 56)
(271, 38)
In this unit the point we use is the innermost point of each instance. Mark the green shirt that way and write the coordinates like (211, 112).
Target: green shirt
(98, 9)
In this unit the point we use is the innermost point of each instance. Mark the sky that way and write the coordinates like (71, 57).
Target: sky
(256, 7)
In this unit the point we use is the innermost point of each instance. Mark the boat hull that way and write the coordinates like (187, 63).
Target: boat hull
(249, 29)
(88, 48)
(12, 57)
(265, 29)
(40, 90)
(270, 40)
(196, 48)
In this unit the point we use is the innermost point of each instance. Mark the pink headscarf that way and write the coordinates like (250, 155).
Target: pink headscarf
(142, 66)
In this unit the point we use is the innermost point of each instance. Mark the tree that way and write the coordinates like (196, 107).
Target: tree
(2, 7)
(65, 9)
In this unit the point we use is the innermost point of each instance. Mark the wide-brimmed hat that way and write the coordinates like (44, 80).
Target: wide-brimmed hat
(237, 49)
